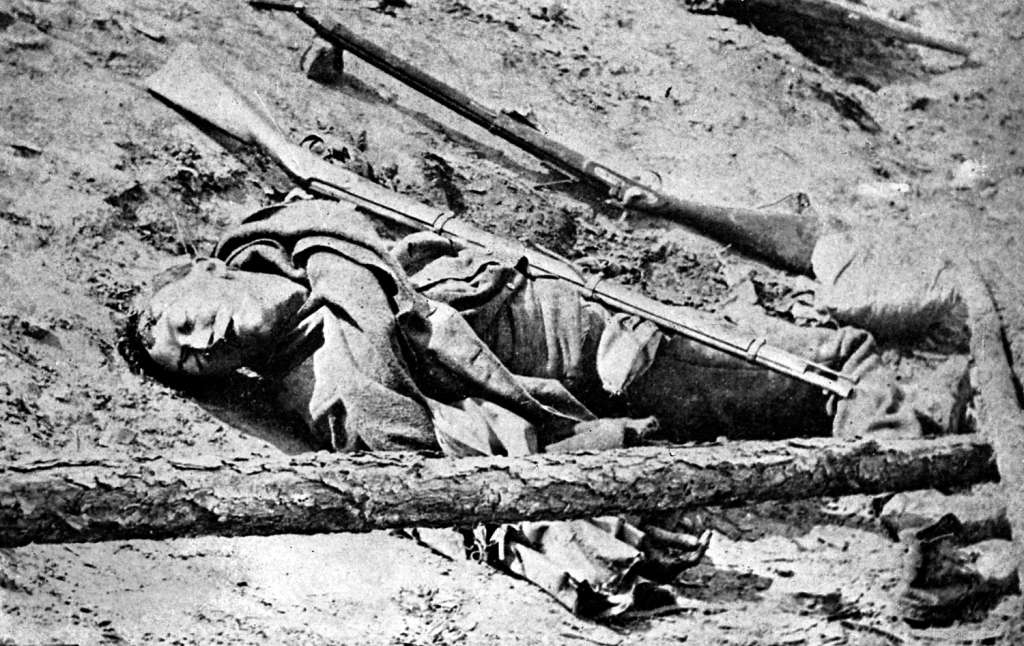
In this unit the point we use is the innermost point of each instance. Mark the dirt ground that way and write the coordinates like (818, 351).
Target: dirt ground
(101, 185)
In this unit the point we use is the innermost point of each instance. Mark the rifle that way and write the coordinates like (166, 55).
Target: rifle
(188, 87)
(785, 239)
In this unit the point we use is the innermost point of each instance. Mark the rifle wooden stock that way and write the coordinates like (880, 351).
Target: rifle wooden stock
(784, 239)
(186, 85)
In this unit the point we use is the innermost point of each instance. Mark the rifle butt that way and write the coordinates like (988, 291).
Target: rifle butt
(186, 83)
(784, 239)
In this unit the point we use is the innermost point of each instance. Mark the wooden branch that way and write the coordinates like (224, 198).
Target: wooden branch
(847, 14)
(1000, 416)
(116, 499)
(850, 15)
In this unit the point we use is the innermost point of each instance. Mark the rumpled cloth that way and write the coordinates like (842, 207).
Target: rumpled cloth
(622, 365)
(376, 365)
(884, 281)
(433, 345)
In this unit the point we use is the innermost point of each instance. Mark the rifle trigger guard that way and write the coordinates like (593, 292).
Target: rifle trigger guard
(755, 347)
(590, 287)
(442, 219)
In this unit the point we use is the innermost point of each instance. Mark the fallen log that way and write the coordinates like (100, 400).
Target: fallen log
(114, 499)
(1000, 416)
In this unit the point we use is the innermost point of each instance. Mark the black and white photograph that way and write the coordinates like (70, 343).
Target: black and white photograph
(472, 322)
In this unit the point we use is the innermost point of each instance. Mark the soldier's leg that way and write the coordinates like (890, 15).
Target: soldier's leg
(701, 393)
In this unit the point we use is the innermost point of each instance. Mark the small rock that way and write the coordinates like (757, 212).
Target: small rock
(921, 103)
(556, 11)
(944, 583)
(388, 7)
(33, 329)
(889, 193)
(39, 331)
(996, 562)
(149, 30)
(925, 97)
(553, 11)
(970, 174)
(21, 35)
(981, 516)
(25, 149)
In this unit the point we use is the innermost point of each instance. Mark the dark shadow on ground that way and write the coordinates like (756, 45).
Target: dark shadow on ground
(774, 518)
(705, 582)
(853, 55)
(245, 404)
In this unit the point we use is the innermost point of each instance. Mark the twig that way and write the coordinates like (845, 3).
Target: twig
(874, 630)
(575, 635)
(267, 111)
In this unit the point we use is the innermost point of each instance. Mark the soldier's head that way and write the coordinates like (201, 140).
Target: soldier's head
(205, 319)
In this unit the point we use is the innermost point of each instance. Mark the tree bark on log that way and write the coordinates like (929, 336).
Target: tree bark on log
(114, 499)
(1000, 415)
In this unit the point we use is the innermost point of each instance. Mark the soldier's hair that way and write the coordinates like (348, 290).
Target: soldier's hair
(135, 338)
(248, 393)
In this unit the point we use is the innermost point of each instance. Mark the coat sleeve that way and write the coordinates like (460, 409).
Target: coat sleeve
(362, 387)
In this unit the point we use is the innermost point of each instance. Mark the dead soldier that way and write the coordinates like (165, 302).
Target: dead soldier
(430, 346)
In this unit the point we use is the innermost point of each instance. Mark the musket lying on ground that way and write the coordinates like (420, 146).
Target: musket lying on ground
(187, 86)
(781, 238)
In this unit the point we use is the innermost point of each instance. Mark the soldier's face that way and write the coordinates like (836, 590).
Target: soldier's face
(217, 319)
